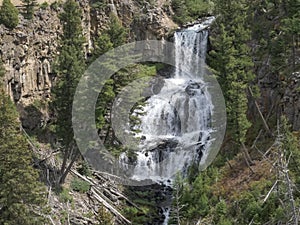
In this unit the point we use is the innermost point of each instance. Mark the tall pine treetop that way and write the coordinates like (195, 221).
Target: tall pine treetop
(71, 20)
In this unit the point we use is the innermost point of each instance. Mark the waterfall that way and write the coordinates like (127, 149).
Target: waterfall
(175, 131)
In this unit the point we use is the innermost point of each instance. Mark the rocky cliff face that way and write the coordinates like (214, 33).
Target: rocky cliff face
(291, 100)
(278, 95)
(146, 21)
(28, 51)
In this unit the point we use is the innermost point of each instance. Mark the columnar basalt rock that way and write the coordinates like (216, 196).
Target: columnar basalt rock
(28, 52)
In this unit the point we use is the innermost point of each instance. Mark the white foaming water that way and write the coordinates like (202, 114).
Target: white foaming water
(175, 131)
(166, 213)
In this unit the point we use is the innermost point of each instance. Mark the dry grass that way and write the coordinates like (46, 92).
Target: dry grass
(239, 178)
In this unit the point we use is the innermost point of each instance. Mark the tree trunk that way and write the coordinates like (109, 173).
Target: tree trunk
(68, 169)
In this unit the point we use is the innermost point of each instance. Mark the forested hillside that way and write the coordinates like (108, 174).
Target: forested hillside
(251, 48)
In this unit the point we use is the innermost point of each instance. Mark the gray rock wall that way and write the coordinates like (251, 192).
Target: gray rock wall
(27, 53)
(29, 50)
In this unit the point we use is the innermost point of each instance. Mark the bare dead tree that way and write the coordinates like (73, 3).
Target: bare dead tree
(283, 175)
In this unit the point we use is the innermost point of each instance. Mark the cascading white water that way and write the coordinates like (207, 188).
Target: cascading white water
(175, 131)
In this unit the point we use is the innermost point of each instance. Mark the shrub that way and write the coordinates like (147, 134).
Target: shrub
(55, 5)
(9, 14)
(84, 169)
(104, 217)
(44, 5)
(80, 185)
(65, 196)
(98, 5)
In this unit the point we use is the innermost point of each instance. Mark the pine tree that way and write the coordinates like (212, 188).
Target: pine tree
(116, 31)
(177, 207)
(29, 8)
(188, 10)
(113, 37)
(232, 62)
(291, 31)
(70, 67)
(9, 14)
(103, 44)
(22, 197)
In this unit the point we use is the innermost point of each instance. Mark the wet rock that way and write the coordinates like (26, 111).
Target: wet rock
(154, 86)
(193, 88)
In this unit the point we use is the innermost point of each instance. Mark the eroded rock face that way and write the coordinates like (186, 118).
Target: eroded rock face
(144, 20)
(278, 95)
(29, 50)
(291, 100)
(27, 53)
(154, 22)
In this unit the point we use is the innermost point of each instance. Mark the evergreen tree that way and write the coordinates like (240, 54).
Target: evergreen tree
(9, 14)
(22, 197)
(116, 31)
(29, 8)
(103, 44)
(232, 62)
(189, 10)
(276, 31)
(113, 37)
(291, 29)
(181, 12)
(70, 67)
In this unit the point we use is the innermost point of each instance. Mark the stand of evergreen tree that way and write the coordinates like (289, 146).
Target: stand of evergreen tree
(22, 196)
(232, 62)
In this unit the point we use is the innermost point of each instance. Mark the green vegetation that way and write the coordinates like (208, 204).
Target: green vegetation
(9, 14)
(69, 68)
(113, 37)
(189, 10)
(111, 89)
(44, 5)
(104, 217)
(99, 5)
(254, 180)
(116, 31)
(22, 196)
(80, 185)
(55, 5)
(29, 8)
(64, 195)
(84, 169)
(233, 65)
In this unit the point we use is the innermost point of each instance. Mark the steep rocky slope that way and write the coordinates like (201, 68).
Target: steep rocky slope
(29, 50)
